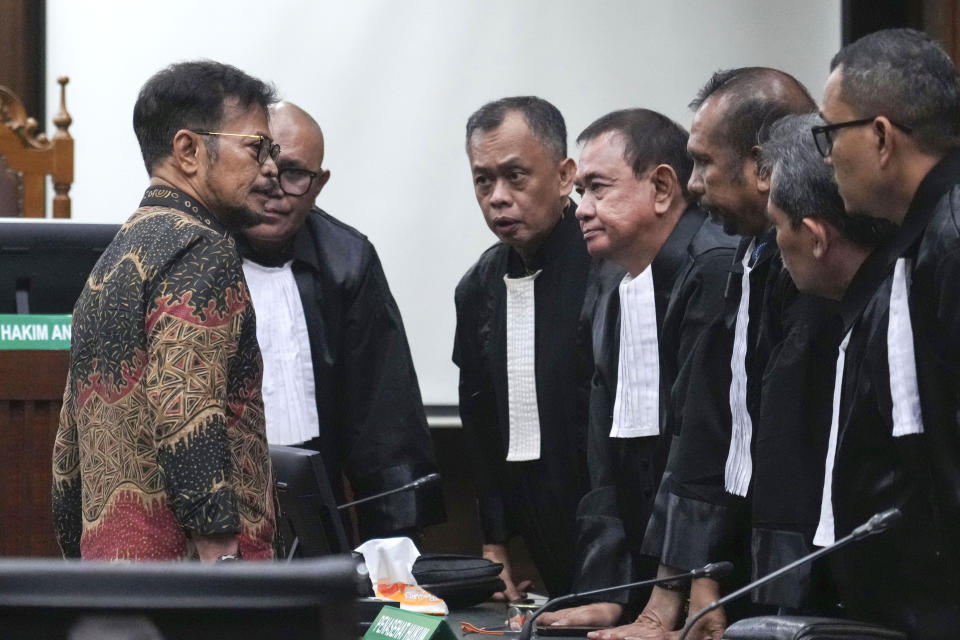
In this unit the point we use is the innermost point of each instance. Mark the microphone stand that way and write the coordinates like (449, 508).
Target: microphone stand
(877, 523)
(714, 569)
(430, 478)
(415, 484)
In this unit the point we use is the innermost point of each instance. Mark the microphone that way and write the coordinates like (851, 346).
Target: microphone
(712, 570)
(430, 478)
(878, 523)
(422, 481)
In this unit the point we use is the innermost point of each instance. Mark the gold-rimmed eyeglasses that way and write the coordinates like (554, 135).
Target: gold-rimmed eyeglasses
(266, 147)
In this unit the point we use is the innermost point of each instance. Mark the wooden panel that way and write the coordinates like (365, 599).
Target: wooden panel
(27, 430)
(23, 34)
(34, 375)
(10, 432)
(860, 17)
(37, 452)
(22, 70)
(31, 391)
(941, 19)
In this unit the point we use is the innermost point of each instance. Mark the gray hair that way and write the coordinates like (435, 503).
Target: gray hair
(545, 121)
(802, 184)
(906, 76)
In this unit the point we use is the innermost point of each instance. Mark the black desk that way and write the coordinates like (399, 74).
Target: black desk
(488, 614)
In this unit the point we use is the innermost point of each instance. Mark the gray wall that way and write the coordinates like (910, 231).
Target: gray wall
(392, 83)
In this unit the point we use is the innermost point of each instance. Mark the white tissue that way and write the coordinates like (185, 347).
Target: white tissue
(389, 560)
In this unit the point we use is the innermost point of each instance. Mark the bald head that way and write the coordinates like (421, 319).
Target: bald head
(751, 99)
(290, 125)
(302, 177)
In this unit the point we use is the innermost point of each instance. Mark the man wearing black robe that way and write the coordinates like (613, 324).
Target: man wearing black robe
(826, 253)
(635, 212)
(370, 424)
(523, 178)
(892, 108)
(703, 509)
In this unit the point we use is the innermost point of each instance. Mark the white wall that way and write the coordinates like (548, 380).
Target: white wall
(392, 83)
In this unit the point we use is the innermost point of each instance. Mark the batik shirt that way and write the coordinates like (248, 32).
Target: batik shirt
(161, 435)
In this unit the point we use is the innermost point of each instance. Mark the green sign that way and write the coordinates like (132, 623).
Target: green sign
(396, 624)
(34, 332)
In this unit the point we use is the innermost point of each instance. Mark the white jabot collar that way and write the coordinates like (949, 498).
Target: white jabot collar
(904, 392)
(739, 466)
(636, 409)
(825, 534)
(521, 369)
(288, 384)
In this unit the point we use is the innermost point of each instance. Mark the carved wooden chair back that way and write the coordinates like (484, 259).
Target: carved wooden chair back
(28, 157)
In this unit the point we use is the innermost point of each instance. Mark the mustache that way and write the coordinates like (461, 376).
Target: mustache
(269, 187)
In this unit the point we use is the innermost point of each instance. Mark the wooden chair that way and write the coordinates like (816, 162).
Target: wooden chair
(27, 157)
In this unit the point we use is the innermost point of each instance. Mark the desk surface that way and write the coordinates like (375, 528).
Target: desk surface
(485, 615)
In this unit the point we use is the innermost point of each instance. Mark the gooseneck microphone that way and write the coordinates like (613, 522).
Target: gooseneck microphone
(712, 570)
(422, 481)
(878, 523)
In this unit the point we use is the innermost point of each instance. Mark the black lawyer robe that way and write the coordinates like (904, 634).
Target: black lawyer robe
(535, 499)
(789, 448)
(372, 425)
(695, 520)
(907, 577)
(688, 275)
(788, 394)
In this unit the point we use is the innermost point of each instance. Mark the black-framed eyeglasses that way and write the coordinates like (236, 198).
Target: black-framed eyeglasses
(295, 181)
(824, 140)
(266, 147)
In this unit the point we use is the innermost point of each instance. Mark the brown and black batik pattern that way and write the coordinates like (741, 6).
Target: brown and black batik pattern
(162, 428)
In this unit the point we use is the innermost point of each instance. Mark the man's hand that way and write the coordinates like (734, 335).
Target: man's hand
(209, 548)
(597, 614)
(498, 553)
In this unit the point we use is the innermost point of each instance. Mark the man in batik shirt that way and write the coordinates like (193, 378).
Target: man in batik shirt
(161, 452)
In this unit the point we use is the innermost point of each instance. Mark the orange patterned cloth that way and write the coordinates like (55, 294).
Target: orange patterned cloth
(162, 428)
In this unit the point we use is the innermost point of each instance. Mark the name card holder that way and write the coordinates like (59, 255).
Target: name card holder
(396, 624)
